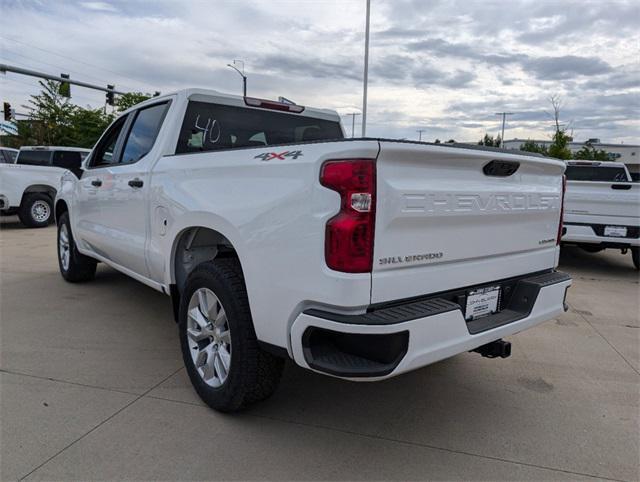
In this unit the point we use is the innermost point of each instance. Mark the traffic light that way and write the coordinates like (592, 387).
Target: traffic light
(7, 111)
(111, 98)
(65, 87)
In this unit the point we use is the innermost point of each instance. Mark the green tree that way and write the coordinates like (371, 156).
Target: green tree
(54, 120)
(487, 140)
(88, 125)
(490, 141)
(561, 139)
(49, 117)
(531, 146)
(558, 147)
(589, 153)
(130, 99)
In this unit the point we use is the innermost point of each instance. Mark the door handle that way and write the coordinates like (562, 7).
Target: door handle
(96, 183)
(136, 182)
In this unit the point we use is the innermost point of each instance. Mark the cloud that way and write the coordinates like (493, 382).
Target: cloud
(446, 67)
(565, 67)
(99, 6)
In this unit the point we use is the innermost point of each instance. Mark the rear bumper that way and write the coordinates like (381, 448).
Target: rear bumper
(389, 341)
(585, 233)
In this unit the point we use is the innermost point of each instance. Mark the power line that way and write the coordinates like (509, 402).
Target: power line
(74, 60)
(32, 73)
(420, 131)
(35, 84)
(63, 69)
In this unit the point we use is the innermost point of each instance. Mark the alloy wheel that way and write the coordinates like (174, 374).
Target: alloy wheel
(209, 337)
(64, 247)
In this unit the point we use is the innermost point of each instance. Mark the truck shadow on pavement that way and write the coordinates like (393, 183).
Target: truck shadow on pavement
(607, 263)
(537, 407)
(11, 222)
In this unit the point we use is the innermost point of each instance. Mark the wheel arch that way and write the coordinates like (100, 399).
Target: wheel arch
(39, 188)
(61, 207)
(194, 245)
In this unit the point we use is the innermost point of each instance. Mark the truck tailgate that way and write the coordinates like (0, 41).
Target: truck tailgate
(443, 223)
(603, 199)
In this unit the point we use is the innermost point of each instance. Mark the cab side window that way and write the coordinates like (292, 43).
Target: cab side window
(105, 153)
(143, 133)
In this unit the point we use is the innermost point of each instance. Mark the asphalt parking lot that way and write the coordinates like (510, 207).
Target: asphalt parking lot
(92, 387)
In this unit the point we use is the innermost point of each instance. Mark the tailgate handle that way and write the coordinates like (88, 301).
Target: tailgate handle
(623, 187)
(500, 168)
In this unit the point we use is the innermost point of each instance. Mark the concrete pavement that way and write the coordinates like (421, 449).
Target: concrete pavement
(92, 387)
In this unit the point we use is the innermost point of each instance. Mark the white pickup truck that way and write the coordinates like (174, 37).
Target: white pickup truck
(28, 186)
(602, 208)
(277, 237)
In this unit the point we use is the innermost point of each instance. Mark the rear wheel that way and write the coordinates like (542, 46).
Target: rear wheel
(219, 347)
(635, 256)
(74, 266)
(35, 210)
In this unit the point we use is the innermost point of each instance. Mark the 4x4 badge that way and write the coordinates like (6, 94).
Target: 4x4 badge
(268, 156)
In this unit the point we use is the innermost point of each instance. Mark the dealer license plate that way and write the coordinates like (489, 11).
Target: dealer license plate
(615, 231)
(482, 302)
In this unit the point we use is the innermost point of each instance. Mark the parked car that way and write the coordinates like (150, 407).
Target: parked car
(602, 208)
(277, 238)
(8, 155)
(29, 186)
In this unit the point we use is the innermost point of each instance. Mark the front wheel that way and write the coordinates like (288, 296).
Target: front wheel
(74, 266)
(35, 210)
(219, 347)
(635, 256)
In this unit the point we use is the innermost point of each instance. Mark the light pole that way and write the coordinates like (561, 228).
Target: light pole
(420, 131)
(504, 118)
(241, 72)
(366, 71)
(353, 122)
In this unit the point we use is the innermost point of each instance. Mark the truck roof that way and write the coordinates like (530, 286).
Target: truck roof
(54, 148)
(210, 95)
(596, 164)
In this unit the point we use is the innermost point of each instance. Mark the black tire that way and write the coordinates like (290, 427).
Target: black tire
(36, 210)
(635, 256)
(78, 267)
(253, 374)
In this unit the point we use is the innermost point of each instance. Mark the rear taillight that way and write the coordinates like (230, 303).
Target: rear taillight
(349, 234)
(560, 223)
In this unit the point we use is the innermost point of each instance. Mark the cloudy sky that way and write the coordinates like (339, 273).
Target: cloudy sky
(442, 66)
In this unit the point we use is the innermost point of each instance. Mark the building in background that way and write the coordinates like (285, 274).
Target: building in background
(629, 154)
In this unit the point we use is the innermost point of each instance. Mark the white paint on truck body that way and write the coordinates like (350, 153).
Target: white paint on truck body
(430, 199)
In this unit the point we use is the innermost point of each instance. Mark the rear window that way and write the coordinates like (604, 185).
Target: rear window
(34, 158)
(209, 127)
(67, 159)
(596, 173)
